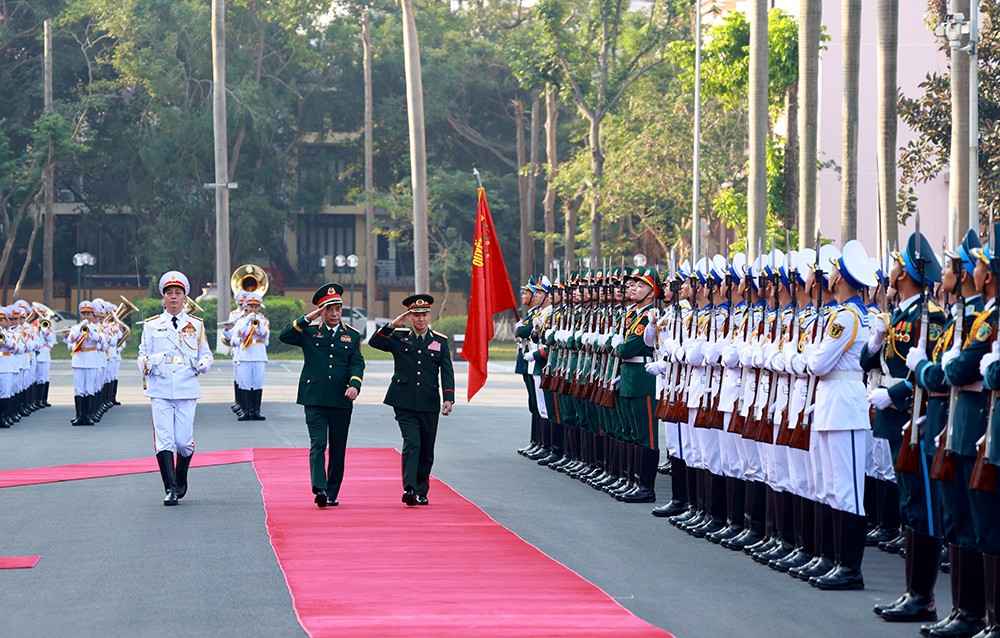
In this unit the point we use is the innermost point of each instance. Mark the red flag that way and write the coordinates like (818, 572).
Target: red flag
(491, 293)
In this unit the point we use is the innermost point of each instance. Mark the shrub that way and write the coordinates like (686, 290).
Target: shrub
(451, 326)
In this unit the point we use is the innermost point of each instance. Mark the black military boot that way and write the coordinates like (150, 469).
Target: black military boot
(715, 501)
(734, 511)
(183, 463)
(648, 461)
(678, 487)
(849, 539)
(257, 397)
(754, 518)
(917, 604)
(769, 540)
(966, 618)
(83, 411)
(168, 473)
(114, 393)
(802, 530)
(992, 587)
(246, 406)
(555, 443)
(4, 417)
(45, 396)
(824, 547)
(784, 534)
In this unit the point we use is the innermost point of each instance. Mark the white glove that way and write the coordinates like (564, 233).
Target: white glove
(746, 355)
(797, 364)
(528, 356)
(777, 362)
(712, 353)
(993, 355)
(615, 382)
(879, 397)
(914, 357)
(617, 340)
(141, 363)
(731, 355)
(679, 354)
(649, 334)
(696, 352)
(656, 368)
(950, 356)
(877, 333)
(204, 365)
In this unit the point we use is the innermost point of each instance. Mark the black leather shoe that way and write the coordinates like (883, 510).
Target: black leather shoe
(320, 499)
(333, 503)
(841, 579)
(894, 546)
(819, 567)
(963, 624)
(551, 458)
(422, 500)
(881, 607)
(171, 498)
(746, 538)
(925, 630)
(879, 535)
(410, 497)
(710, 526)
(797, 559)
(642, 495)
(910, 608)
(730, 531)
(673, 508)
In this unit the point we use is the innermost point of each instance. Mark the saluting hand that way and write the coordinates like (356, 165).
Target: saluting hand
(398, 321)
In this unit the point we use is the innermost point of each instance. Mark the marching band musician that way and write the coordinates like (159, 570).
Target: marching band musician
(9, 349)
(46, 340)
(888, 346)
(84, 341)
(173, 352)
(239, 406)
(250, 336)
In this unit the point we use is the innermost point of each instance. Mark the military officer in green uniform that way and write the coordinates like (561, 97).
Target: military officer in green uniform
(422, 377)
(330, 382)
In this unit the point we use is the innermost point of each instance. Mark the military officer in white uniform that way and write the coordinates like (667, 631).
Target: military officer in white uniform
(173, 352)
(251, 336)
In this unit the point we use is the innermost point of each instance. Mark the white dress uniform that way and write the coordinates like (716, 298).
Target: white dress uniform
(88, 361)
(172, 353)
(252, 342)
(9, 349)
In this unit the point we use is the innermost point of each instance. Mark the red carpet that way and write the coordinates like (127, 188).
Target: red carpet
(57, 473)
(19, 562)
(373, 567)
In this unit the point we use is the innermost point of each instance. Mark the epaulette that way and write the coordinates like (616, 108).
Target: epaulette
(352, 328)
(193, 318)
(933, 307)
(438, 334)
(404, 329)
(148, 319)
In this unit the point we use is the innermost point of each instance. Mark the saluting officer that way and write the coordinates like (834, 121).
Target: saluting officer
(330, 382)
(422, 377)
(173, 352)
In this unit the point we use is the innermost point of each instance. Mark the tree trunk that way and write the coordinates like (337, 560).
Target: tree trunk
(810, 19)
(851, 35)
(758, 126)
(572, 209)
(29, 251)
(527, 257)
(887, 44)
(418, 148)
(552, 163)
(790, 198)
(597, 170)
(370, 245)
(533, 153)
(958, 195)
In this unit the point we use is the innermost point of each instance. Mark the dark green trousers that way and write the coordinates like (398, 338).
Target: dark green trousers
(419, 430)
(327, 425)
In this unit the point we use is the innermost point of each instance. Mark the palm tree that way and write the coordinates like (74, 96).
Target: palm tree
(958, 194)
(758, 125)
(887, 43)
(810, 19)
(851, 35)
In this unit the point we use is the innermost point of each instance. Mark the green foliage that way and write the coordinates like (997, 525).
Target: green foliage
(451, 326)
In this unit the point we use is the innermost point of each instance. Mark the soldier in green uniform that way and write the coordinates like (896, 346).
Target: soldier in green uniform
(422, 376)
(329, 384)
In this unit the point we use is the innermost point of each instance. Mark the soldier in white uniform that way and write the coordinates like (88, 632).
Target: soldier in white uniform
(46, 341)
(251, 336)
(239, 404)
(84, 341)
(842, 426)
(172, 353)
(9, 348)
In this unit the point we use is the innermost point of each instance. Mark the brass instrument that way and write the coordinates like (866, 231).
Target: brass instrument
(84, 329)
(249, 278)
(124, 309)
(190, 307)
(45, 324)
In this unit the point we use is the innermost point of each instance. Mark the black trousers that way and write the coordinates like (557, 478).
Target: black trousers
(419, 430)
(327, 425)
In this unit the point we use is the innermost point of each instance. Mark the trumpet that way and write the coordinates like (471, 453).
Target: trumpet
(124, 309)
(44, 324)
(190, 307)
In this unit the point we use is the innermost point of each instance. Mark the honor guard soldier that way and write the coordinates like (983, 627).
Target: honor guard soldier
(330, 382)
(985, 495)
(84, 341)
(536, 448)
(251, 336)
(423, 382)
(638, 388)
(915, 322)
(841, 416)
(173, 352)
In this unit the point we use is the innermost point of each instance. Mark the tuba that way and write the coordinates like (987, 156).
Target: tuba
(43, 313)
(249, 278)
(190, 307)
(124, 309)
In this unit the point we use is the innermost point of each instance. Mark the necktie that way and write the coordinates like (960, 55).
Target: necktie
(174, 320)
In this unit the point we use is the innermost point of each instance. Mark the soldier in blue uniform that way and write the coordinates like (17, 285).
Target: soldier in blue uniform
(330, 382)
(890, 342)
(423, 382)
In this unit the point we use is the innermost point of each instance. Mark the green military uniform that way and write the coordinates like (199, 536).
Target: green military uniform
(422, 378)
(332, 363)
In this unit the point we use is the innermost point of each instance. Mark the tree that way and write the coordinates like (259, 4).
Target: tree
(758, 129)
(851, 36)
(887, 43)
(810, 25)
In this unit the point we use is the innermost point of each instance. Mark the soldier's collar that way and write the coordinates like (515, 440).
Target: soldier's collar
(906, 303)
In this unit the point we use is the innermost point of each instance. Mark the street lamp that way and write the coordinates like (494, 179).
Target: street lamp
(639, 260)
(352, 263)
(81, 261)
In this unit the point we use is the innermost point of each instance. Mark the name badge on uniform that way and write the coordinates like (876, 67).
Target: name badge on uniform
(345, 338)
(434, 346)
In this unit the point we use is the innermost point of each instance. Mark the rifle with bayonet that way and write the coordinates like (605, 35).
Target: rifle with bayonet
(803, 422)
(943, 468)
(705, 400)
(716, 420)
(909, 459)
(984, 472)
(737, 423)
(784, 436)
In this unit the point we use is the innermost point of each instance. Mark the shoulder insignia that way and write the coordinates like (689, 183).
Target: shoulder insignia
(438, 334)
(640, 329)
(401, 328)
(935, 332)
(836, 330)
(194, 319)
(352, 328)
(154, 317)
(984, 332)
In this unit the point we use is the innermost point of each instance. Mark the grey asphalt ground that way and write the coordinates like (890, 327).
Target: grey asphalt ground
(115, 562)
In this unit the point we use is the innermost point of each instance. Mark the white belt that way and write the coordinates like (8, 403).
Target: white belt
(890, 381)
(843, 375)
(638, 360)
(174, 359)
(972, 387)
